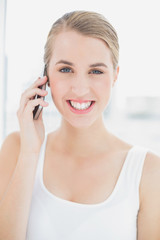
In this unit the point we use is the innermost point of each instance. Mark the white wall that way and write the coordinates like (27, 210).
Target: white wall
(137, 25)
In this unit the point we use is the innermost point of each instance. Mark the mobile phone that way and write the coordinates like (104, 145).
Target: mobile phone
(37, 110)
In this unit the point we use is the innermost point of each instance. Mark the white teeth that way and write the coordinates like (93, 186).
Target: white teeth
(81, 106)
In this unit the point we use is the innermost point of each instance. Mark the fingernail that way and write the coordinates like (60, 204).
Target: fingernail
(45, 91)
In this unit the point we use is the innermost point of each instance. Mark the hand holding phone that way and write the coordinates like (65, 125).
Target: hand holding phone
(38, 109)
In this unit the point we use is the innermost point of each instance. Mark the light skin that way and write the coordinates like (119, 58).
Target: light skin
(81, 136)
(83, 159)
(90, 76)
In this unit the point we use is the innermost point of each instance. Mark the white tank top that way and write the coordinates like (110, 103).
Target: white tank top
(53, 218)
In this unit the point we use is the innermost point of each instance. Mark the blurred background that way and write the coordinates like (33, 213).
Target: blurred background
(134, 112)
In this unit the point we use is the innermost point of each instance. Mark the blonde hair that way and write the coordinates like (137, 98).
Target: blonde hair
(88, 23)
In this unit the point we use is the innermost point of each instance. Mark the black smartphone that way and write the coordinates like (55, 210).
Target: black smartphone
(37, 110)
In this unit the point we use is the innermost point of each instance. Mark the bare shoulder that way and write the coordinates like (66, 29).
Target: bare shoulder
(8, 159)
(149, 212)
(12, 141)
(151, 176)
(151, 170)
(152, 161)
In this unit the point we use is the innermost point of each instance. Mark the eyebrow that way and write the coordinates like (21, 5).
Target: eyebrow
(65, 62)
(99, 64)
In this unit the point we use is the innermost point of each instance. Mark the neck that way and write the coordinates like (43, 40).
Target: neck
(83, 142)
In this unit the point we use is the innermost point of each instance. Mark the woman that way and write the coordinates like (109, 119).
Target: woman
(80, 181)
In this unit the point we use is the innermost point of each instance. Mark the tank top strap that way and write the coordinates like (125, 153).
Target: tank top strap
(134, 167)
(41, 158)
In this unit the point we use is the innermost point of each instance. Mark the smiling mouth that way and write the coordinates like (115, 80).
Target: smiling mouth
(80, 106)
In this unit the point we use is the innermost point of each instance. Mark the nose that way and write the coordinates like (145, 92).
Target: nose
(80, 86)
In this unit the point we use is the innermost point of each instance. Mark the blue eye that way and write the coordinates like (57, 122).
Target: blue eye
(96, 72)
(65, 70)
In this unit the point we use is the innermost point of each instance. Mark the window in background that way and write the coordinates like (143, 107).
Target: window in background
(134, 112)
(3, 68)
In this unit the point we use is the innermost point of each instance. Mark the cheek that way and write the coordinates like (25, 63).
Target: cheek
(103, 87)
(56, 89)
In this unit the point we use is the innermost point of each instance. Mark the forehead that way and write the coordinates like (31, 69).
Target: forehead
(71, 45)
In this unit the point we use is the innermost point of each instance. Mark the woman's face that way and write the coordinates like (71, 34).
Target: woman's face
(81, 71)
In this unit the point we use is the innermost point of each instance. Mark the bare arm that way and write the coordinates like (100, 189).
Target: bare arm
(18, 161)
(149, 214)
(15, 200)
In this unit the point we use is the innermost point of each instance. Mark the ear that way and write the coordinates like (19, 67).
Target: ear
(116, 73)
(48, 82)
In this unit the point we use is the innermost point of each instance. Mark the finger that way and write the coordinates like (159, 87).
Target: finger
(23, 101)
(28, 111)
(39, 82)
(29, 94)
(30, 106)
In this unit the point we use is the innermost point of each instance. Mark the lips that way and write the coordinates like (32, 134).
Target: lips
(80, 101)
(80, 108)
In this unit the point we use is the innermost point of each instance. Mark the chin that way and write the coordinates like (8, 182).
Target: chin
(80, 124)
